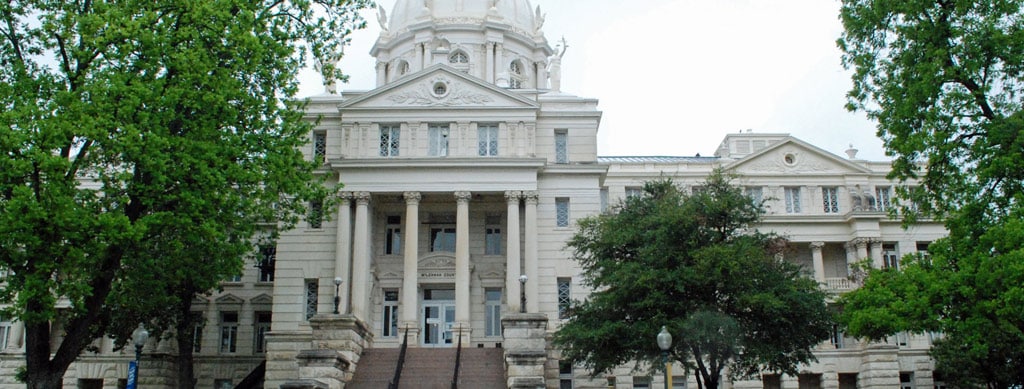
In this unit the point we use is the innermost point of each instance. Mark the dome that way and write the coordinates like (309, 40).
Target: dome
(517, 13)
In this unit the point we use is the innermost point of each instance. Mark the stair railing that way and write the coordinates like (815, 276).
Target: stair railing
(458, 361)
(401, 360)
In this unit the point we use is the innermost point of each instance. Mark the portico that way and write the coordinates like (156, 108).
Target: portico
(439, 252)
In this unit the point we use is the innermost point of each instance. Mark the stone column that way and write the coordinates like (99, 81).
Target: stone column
(819, 261)
(410, 270)
(462, 261)
(876, 253)
(418, 62)
(862, 248)
(525, 349)
(530, 252)
(381, 73)
(343, 249)
(489, 61)
(361, 256)
(513, 269)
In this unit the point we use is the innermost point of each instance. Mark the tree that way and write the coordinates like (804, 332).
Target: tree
(695, 264)
(943, 80)
(144, 142)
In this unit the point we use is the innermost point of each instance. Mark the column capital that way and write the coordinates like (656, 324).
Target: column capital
(412, 198)
(531, 196)
(345, 196)
(463, 196)
(817, 245)
(513, 196)
(362, 197)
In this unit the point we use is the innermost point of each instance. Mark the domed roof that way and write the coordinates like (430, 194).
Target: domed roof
(517, 13)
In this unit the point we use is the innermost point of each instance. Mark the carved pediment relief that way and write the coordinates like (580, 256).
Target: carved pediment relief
(437, 261)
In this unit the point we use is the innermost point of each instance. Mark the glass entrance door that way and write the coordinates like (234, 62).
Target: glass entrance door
(438, 317)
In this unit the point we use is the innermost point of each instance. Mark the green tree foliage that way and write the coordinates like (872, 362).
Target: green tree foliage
(143, 142)
(943, 79)
(695, 264)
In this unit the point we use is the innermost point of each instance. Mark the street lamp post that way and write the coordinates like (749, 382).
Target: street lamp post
(139, 338)
(665, 343)
(522, 293)
(337, 293)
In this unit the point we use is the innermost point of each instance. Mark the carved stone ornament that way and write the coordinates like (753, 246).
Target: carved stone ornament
(455, 93)
(788, 161)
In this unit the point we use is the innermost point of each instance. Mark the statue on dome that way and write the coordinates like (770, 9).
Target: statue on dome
(538, 21)
(494, 4)
(555, 65)
(382, 18)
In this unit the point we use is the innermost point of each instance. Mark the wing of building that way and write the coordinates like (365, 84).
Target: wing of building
(464, 172)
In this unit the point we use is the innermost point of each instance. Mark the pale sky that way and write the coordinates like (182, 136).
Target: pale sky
(673, 77)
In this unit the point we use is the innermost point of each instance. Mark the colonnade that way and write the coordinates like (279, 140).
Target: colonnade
(353, 256)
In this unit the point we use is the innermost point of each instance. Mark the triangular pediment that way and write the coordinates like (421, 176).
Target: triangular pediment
(229, 299)
(439, 86)
(792, 156)
(262, 299)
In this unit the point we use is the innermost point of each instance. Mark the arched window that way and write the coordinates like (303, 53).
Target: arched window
(458, 57)
(403, 68)
(516, 79)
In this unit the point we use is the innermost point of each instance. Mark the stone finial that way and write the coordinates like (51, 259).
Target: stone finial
(851, 152)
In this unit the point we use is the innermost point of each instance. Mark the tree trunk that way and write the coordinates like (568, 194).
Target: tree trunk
(183, 334)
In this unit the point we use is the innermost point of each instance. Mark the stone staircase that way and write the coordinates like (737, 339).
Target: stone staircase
(431, 368)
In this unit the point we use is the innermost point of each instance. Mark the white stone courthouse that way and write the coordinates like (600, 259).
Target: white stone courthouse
(464, 172)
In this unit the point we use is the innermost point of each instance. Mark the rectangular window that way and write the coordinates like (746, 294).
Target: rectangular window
(756, 193)
(442, 239)
(771, 381)
(389, 138)
(234, 278)
(837, 337)
(830, 199)
(847, 380)
(390, 320)
(902, 339)
(641, 382)
(809, 381)
(492, 241)
(260, 330)
(633, 191)
(228, 331)
(197, 332)
(890, 258)
(90, 383)
(564, 375)
(438, 136)
(5, 333)
(487, 140)
(319, 146)
(492, 316)
(906, 380)
(393, 236)
(561, 146)
(268, 259)
(562, 211)
(883, 198)
(315, 218)
(792, 199)
(678, 382)
(312, 296)
(564, 297)
(922, 249)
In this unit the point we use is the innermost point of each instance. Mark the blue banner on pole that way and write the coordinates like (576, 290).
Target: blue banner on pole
(133, 374)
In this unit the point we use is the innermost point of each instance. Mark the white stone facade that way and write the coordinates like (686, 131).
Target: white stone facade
(467, 168)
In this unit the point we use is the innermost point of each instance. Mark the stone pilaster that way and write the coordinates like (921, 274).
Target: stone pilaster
(462, 304)
(410, 266)
(818, 260)
(530, 262)
(343, 248)
(361, 256)
(880, 367)
(525, 349)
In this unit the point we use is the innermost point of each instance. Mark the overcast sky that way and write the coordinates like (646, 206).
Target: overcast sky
(675, 76)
